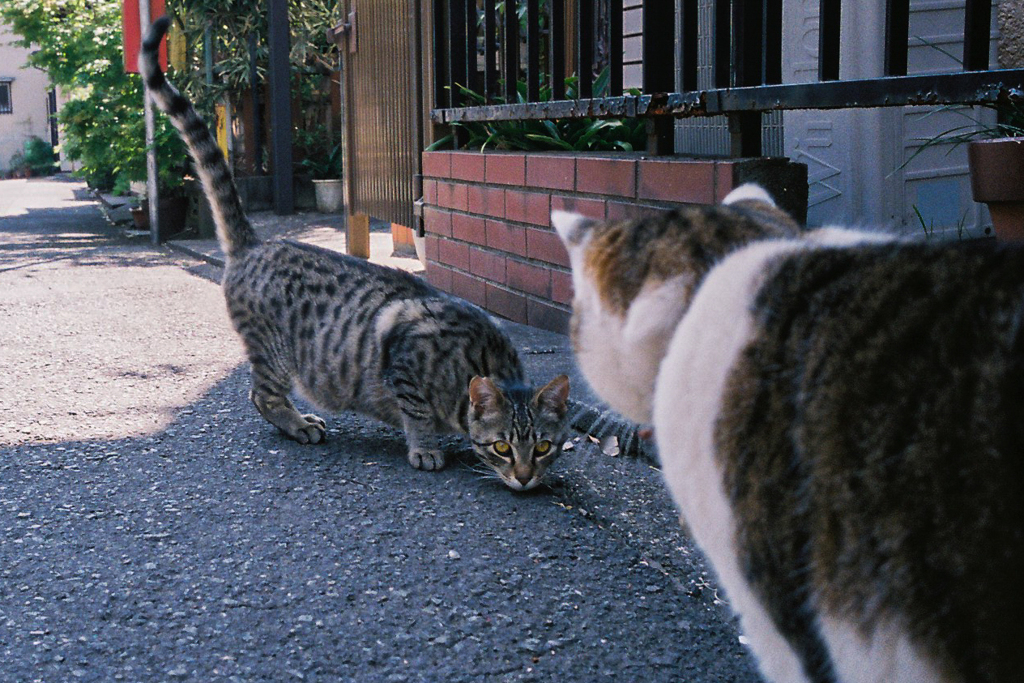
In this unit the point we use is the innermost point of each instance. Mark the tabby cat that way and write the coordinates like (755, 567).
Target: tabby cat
(840, 419)
(350, 335)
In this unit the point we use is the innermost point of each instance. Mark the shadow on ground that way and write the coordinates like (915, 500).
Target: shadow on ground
(216, 549)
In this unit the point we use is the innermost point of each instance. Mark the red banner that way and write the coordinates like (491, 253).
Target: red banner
(133, 35)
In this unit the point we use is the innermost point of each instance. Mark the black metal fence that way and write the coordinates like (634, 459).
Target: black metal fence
(478, 46)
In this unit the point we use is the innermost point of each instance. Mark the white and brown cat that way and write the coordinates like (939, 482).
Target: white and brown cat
(840, 419)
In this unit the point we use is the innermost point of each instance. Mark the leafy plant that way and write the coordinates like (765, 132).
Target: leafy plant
(1009, 123)
(1009, 118)
(78, 44)
(319, 152)
(572, 134)
(39, 156)
(226, 26)
(928, 227)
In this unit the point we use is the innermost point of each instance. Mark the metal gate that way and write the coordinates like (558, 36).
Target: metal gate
(381, 108)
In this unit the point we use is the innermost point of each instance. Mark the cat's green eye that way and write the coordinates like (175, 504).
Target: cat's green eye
(501, 447)
(543, 448)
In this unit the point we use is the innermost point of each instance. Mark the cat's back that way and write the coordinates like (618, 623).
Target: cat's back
(339, 326)
(306, 269)
(866, 419)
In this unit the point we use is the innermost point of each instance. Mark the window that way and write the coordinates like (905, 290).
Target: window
(5, 96)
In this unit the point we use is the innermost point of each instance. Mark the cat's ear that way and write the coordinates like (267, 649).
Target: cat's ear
(749, 192)
(484, 396)
(554, 395)
(571, 227)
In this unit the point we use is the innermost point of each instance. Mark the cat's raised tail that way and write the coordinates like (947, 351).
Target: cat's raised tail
(234, 231)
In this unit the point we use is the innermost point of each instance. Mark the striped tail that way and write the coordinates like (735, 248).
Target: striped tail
(234, 232)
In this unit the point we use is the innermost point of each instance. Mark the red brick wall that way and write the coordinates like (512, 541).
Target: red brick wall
(487, 216)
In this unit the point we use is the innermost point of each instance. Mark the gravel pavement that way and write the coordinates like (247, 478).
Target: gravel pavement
(154, 528)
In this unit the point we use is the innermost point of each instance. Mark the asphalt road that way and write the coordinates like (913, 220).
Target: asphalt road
(154, 528)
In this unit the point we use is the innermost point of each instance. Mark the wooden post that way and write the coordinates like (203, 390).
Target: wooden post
(357, 235)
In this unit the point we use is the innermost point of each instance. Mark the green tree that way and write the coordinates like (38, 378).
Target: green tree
(229, 24)
(78, 44)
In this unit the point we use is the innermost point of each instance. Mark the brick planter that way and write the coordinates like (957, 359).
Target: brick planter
(487, 216)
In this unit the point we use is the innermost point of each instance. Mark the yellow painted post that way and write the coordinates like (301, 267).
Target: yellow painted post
(176, 52)
(222, 129)
(357, 235)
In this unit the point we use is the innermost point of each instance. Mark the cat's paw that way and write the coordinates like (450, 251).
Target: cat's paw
(313, 431)
(315, 420)
(423, 459)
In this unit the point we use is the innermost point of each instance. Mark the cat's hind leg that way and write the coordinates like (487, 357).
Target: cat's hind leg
(269, 394)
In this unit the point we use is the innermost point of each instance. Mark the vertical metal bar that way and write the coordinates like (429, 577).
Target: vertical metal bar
(416, 84)
(688, 44)
(615, 48)
(585, 47)
(772, 53)
(279, 73)
(510, 45)
(897, 32)
(442, 50)
(722, 39)
(490, 51)
(208, 53)
(51, 116)
(257, 122)
(472, 32)
(556, 47)
(745, 134)
(658, 37)
(457, 70)
(659, 70)
(828, 40)
(977, 30)
(747, 55)
(747, 42)
(532, 50)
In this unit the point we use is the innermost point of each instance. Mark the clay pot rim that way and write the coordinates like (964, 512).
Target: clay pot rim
(1019, 139)
(997, 169)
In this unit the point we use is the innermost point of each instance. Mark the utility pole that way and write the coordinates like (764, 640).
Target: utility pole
(152, 194)
(278, 75)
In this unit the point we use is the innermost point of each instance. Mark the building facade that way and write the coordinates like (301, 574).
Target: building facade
(28, 103)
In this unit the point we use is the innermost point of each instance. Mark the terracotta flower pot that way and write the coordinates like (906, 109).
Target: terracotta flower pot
(997, 179)
(140, 216)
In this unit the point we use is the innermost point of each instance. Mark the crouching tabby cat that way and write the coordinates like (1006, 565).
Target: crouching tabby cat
(840, 419)
(350, 335)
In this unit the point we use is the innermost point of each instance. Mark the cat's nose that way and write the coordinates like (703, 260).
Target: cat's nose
(524, 479)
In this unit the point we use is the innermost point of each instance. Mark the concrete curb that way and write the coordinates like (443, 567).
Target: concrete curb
(178, 246)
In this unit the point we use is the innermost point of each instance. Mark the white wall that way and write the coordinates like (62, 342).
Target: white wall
(28, 97)
(863, 165)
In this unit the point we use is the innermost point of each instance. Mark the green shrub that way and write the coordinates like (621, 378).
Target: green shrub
(39, 156)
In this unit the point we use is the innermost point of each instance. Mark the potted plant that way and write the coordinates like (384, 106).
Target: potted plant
(325, 170)
(139, 209)
(997, 179)
(319, 150)
(995, 158)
